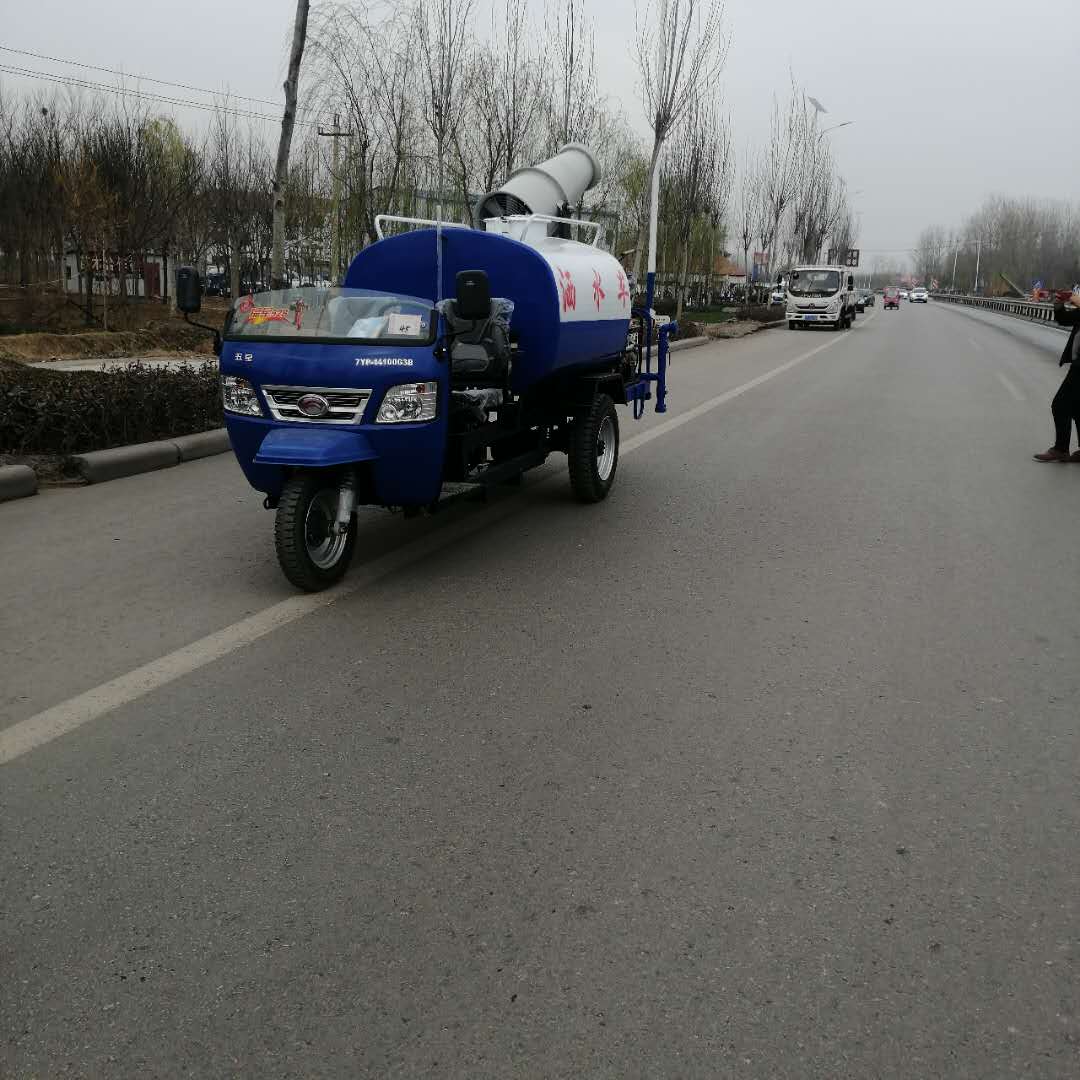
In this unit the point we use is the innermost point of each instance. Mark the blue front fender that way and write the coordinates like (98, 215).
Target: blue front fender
(314, 447)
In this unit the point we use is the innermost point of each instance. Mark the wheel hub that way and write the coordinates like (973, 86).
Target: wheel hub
(605, 448)
(323, 541)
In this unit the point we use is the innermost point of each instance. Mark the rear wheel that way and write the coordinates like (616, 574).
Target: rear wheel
(312, 552)
(594, 451)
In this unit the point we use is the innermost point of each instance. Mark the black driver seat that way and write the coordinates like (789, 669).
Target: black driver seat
(478, 330)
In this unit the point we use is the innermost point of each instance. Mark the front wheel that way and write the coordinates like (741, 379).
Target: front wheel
(594, 451)
(312, 552)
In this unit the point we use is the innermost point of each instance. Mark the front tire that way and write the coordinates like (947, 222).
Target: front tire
(312, 554)
(594, 451)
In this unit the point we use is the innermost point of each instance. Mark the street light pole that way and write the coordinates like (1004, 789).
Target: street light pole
(835, 127)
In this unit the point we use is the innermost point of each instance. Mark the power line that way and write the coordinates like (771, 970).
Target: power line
(139, 78)
(121, 91)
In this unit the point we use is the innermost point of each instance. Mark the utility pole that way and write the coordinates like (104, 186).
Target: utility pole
(978, 257)
(335, 133)
(956, 255)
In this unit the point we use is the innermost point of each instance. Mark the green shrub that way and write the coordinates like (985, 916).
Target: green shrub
(57, 412)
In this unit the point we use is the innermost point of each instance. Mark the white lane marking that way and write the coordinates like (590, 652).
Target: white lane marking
(52, 723)
(1016, 395)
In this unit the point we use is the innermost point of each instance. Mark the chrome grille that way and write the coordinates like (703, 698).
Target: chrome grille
(346, 404)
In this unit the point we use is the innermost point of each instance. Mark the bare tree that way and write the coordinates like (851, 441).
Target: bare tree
(778, 172)
(929, 253)
(699, 164)
(681, 51)
(573, 93)
(442, 36)
(288, 122)
(748, 212)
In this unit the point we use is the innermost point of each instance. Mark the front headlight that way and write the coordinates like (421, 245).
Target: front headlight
(408, 403)
(834, 306)
(238, 396)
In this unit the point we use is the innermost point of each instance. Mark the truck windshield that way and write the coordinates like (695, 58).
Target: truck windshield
(335, 314)
(814, 283)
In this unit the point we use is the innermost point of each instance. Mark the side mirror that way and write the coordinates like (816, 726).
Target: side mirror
(850, 282)
(188, 290)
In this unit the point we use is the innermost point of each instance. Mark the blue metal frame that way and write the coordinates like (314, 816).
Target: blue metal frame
(638, 393)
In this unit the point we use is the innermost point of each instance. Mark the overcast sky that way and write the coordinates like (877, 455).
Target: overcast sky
(951, 100)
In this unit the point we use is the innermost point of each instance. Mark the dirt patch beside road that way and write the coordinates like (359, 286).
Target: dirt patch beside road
(164, 339)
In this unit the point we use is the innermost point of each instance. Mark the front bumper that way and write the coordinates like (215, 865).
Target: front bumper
(815, 317)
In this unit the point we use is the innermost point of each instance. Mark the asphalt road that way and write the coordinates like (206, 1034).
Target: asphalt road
(768, 766)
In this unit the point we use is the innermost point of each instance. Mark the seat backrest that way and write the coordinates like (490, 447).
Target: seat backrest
(473, 295)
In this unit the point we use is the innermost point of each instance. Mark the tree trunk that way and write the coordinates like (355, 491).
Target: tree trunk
(281, 169)
(712, 269)
(682, 278)
(234, 267)
(89, 275)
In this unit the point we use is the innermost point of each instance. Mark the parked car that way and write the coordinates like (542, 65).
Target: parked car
(777, 298)
(920, 296)
(891, 297)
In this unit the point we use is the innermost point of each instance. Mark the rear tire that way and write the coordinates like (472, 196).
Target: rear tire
(593, 453)
(312, 555)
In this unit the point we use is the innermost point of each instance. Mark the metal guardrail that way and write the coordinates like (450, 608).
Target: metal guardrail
(1021, 309)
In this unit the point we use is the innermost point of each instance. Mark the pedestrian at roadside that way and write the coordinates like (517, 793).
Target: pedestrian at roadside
(1066, 404)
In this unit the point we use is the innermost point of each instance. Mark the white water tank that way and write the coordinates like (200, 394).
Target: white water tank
(551, 187)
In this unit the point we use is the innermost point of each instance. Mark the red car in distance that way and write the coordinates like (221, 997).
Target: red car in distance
(892, 297)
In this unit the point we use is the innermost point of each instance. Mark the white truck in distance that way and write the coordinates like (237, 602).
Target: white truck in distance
(820, 295)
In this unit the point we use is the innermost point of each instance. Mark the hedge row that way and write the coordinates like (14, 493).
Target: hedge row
(53, 412)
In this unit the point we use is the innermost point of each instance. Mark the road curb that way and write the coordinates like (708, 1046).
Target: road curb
(17, 482)
(688, 343)
(202, 444)
(100, 465)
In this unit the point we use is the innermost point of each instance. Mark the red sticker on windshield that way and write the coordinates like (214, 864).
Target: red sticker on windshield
(261, 315)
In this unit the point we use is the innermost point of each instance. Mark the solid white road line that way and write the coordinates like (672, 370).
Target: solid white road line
(1016, 395)
(52, 723)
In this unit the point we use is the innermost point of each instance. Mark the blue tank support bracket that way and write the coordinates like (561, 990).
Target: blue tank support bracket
(315, 447)
(662, 336)
(636, 395)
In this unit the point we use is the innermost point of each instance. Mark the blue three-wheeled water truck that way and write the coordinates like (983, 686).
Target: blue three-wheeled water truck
(381, 392)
